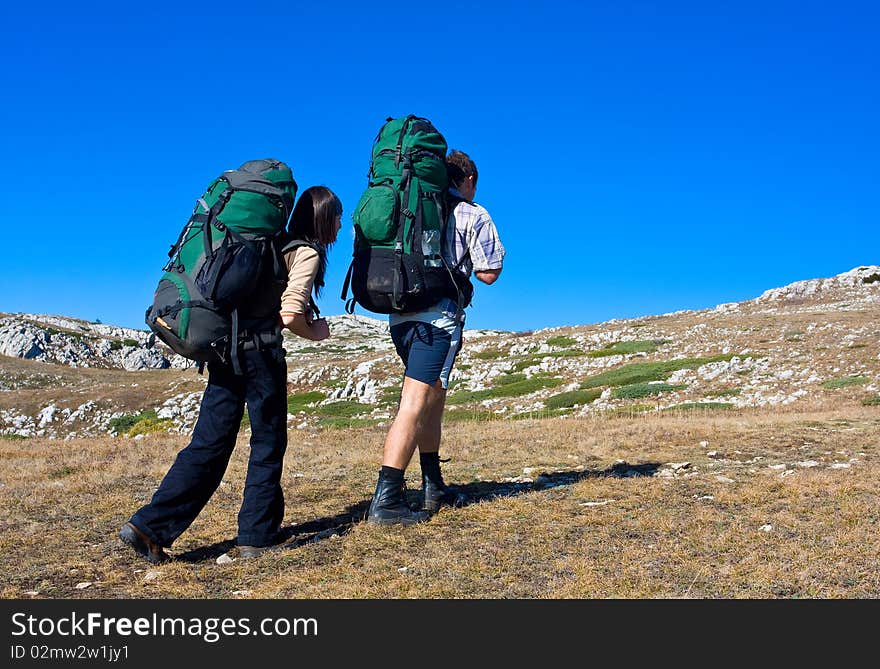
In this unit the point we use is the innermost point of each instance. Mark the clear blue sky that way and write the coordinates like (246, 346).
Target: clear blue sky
(637, 157)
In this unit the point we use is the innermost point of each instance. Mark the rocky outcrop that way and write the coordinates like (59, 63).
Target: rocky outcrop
(782, 348)
(78, 343)
(861, 283)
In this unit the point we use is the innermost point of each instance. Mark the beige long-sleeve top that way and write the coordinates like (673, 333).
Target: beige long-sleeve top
(302, 268)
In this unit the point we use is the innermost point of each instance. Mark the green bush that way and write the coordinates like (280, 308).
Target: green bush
(301, 401)
(130, 342)
(514, 389)
(390, 395)
(562, 341)
(635, 390)
(845, 381)
(122, 424)
(628, 347)
(567, 353)
(642, 372)
(491, 354)
(343, 409)
(529, 361)
(571, 398)
(149, 425)
(871, 401)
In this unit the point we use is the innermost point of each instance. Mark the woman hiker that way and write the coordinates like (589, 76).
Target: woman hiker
(199, 467)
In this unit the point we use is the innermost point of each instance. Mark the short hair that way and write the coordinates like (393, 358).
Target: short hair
(314, 216)
(459, 165)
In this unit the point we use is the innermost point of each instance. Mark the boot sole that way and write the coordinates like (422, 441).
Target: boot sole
(129, 537)
(395, 521)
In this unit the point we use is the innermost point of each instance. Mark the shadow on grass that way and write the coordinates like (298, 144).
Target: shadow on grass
(482, 491)
(294, 536)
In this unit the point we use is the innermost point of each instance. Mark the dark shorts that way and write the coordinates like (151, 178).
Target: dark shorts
(428, 352)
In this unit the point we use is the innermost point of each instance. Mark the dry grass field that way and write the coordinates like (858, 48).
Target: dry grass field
(745, 504)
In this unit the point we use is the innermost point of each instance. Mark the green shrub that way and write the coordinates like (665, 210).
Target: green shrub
(491, 354)
(507, 379)
(628, 347)
(343, 409)
(149, 425)
(514, 389)
(390, 395)
(122, 424)
(13, 437)
(871, 401)
(642, 372)
(845, 381)
(301, 401)
(635, 390)
(571, 398)
(130, 342)
(562, 341)
(520, 365)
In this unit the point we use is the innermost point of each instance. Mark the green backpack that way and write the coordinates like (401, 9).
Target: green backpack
(400, 222)
(237, 227)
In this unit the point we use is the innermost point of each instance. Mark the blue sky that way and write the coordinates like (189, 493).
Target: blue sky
(637, 157)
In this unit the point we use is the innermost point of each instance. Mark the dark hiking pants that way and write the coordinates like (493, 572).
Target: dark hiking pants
(199, 468)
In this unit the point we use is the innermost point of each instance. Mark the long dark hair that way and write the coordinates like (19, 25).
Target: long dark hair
(314, 220)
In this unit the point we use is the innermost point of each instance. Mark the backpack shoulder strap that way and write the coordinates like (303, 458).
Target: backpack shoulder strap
(289, 244)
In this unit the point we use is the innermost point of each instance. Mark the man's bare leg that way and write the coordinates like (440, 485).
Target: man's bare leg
(417, 423)
(415, 418)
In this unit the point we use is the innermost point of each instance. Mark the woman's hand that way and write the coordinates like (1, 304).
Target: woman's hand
(320, 329)
(305, 327)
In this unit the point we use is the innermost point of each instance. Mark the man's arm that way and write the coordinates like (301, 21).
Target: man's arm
(488, 276)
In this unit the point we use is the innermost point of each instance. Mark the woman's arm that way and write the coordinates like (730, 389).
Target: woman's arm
(296, 311)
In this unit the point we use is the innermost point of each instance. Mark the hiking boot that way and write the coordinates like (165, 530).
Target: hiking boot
(143, 545)
(439, 494)
(389, 505)
(251, 552)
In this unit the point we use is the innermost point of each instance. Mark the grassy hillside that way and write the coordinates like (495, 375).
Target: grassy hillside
(718, 504)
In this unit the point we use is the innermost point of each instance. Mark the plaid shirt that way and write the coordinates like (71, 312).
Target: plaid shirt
(472, 242)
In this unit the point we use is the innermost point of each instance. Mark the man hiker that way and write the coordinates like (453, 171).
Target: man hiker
(427, 342)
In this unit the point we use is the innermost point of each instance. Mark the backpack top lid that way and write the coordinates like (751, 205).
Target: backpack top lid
(409, 138)
(266, 176)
